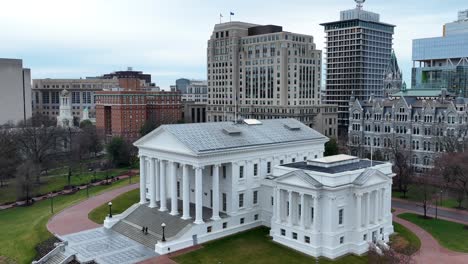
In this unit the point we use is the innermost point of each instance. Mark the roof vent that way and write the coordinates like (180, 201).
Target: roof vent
(252, 122)
(233, 131)
(292, 127)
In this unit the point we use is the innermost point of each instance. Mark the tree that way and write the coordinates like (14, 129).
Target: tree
(119, 151)
(453, 167)
(24, 180)
(86, 123)
(147, 127)
(8, 156)
(388, 256)
(402, 167)
(39, 120)
(331, 147)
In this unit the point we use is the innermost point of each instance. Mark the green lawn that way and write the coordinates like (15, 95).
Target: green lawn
(57, 181)
(404, 241)
(253, 246)
(22, 228)
(119, 204)
(450, 235)
(415, 194)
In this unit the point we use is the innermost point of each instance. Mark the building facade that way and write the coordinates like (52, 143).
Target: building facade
(420, 123)
(393, 77)
(442, 62)
(15, 88)
(46, 95)
(210, 180)
(194, 112)
(123, 113)
(130, 79)
(358, 52)
(263, 72)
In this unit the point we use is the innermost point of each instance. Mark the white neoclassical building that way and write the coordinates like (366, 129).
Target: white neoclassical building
(208, 180)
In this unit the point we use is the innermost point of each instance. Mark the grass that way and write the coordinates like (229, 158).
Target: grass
(22, 228)
(450, 235)
(416, 194)
(57, 181)
(404, 241)
(253, 246)
(119, 204)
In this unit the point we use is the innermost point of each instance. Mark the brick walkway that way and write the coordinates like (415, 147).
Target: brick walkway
(431, 251)
(75, 218)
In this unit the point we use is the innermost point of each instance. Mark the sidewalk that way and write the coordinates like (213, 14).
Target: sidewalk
(431, 251)
(75, 218)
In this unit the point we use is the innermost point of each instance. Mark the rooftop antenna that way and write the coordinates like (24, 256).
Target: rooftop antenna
(359, 3)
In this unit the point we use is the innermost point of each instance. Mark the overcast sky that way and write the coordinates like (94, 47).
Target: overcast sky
(72, 39)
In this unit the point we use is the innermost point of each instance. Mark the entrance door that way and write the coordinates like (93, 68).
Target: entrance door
(224, 202)
(374, 237)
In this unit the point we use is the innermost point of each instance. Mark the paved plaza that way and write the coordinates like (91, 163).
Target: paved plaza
(106, 246)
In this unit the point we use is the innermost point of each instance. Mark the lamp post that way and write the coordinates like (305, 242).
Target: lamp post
(110, 209)
(163, 225)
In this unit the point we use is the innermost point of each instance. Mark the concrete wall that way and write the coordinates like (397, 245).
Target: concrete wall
(15, 91)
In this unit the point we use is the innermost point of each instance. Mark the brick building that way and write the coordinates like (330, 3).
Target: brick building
(131, 80)
(123, 113)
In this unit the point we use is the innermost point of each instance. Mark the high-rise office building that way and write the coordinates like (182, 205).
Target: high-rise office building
(442, 62)
(15, 91)
(358, 51)
(262, 72)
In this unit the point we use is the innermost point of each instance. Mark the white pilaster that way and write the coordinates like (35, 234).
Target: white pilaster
(215, 192)
(162, 185)
(142, 180)
(234, 183)
(198, 196)
(157, 179)
(278, 205)
(290, 208)
(358, 210)
(152, 183)
(174, 205)
(317, 215)
(302, 221)
(186, 192)
(368, 215)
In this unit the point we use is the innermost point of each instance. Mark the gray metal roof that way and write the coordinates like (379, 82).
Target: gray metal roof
(361, 164)
(206, 137)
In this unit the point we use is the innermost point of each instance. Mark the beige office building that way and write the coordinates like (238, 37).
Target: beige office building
(46, 93)
(15, 91)
(262, 72)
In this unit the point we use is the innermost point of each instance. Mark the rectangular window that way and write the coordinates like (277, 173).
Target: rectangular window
(224, 172)
(178, 188)
(269, 167)
(208, 229)
(281, 162)
(312, 213)
(241, 200)
(283, 232)
(340, 216)
(255, 197)
(76, 98)
(224, 202)
(294, 235)
(242, 220)
(364, 237)
(224, 225)
(299, 209)
(307, 239)
(272, 200)
(255, 169)
(241, 172)
(293, 160)
(256, 217)
(342, 240)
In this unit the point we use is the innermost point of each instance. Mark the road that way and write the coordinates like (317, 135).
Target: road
(459, 216)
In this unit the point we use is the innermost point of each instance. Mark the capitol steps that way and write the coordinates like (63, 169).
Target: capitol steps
(56, 259)
(134, 232)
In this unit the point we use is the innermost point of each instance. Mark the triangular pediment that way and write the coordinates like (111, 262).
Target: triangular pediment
(370, 177)
(299, 178)
(160, 139)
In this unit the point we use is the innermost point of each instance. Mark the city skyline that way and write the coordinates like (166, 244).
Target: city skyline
(57, 43)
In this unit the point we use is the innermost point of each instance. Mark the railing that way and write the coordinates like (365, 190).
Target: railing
(60, 247)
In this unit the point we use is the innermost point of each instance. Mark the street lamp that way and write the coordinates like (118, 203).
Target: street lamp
(110, 209)
(163, 225)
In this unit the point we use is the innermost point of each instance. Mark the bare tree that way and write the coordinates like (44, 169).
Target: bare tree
(388, 256)
(8, 156)
(24, 180)
(453, 167)
(402, 167)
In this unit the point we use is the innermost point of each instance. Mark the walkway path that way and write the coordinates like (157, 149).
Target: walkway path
(446, 213)
(75, 218)
(431, 251)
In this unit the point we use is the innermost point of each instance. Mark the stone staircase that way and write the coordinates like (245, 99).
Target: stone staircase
(56, 259)
(134, 232)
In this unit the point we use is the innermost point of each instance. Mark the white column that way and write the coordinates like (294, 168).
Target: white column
(302, 221)
(234, 181)
(198, 196)
(377, 205)
(278, 205)
(152, 183)
(376, 209)
(186, 192)
(174, 205)
(316, 214)
(368, 216)
(142, 180)
(162, 185)
(157, 179)
(290, 208)
(358, 210)
(215, 192)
